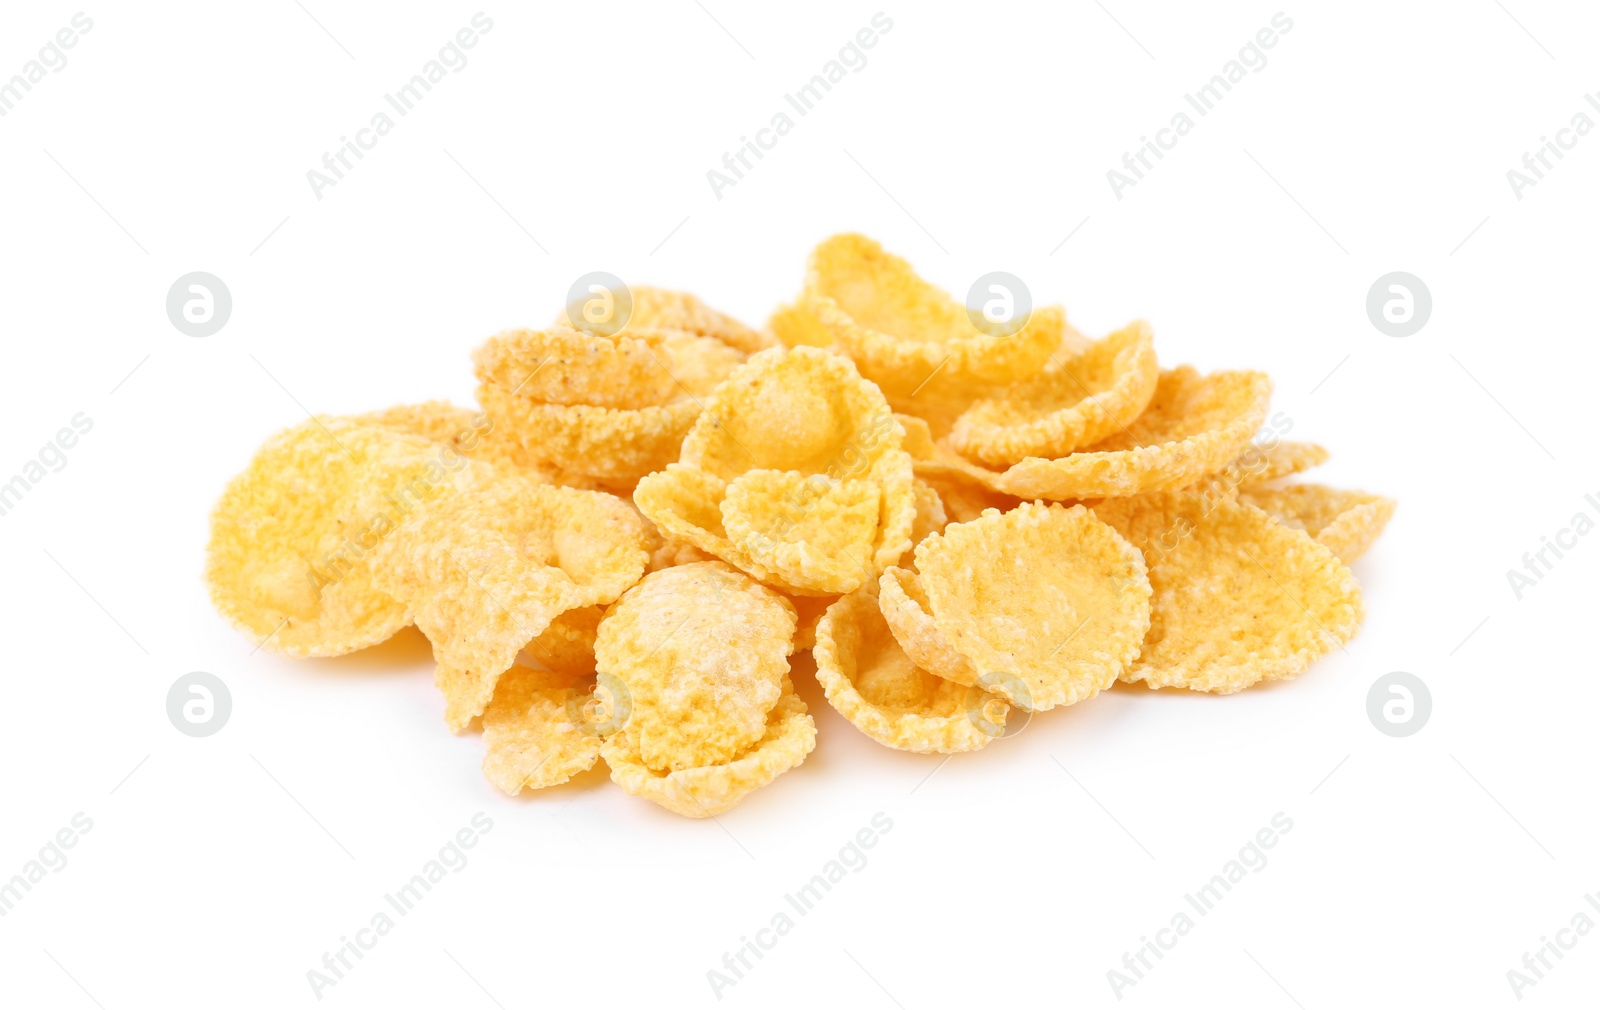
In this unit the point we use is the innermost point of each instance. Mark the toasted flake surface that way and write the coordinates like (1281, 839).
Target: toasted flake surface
(905, 609)
(871, 681)
(1048, 603)
(1346, 522)
(702, 650)
(1238, 598)
(806, 414)
(709, 790)
(289, 559)
(486, 570)
(533, 730)
(1088, 397)
(899, 329)
(812, 530)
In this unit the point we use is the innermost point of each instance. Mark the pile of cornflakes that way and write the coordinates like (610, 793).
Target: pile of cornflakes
(658, 506)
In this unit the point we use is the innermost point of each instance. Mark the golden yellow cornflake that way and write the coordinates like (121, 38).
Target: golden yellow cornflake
(535, 731)
(1345, 522)
(562, 365)
(871, 681)
(1238, 598)
(808, 611)
(931, 517)
(899, 329)
(1088, 397)
(290, 556)
(602, 442)
(1193, 426)
(1268, 461)
(484, 571)
(661, 309)
(702, 651)
(607, 408)
(795, 327)
(709, 790)
(833, 443)
(1048, 603)
(906, 611)
(814, 531)
(958, 516)
(965, 501)
(566, 645)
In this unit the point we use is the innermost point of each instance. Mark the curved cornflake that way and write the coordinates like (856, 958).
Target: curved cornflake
(569, 366)
(1238, 597)
(1345, 522)
(1261, 462)
(605, 443)
(702, 651)
(485, 570)
(905, 609)
(814, 531)
(660, 308)
(533, 730)
(566, 645)
(795, 327)
(1086, 398)
(832, 442)
(289, 560)
(930, 517)
(1048, 603)
(1194, 425)
(874, 684)
(899, 329)
(709, 790)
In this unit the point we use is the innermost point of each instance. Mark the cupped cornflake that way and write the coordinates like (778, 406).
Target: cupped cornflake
(815, 530)
(900, 329)
(605, 408)
(1345, 522)
(1048, 603)
(905, 610)
(678, 310)
(709, 790)
(1238, 597)
(874, 684)
(535, 731)
(290, 556)
(486, 570)
(569, 366)
(1193, 426)
(800, 443)
(702, 652)
(1086, 398)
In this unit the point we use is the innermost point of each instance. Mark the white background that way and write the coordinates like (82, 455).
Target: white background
(219, 870)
